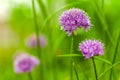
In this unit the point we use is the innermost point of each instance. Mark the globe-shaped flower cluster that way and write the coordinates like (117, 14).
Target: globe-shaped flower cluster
(74, 18)
(90, 48)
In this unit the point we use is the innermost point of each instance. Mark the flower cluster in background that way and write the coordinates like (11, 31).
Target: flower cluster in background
(24, 62)
(31, 41)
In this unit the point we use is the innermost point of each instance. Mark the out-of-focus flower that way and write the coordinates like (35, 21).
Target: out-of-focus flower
(90, 48)
(31, 41)
(24, 62)
(73, 18)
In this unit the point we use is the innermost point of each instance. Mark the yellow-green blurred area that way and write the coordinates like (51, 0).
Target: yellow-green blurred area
(17, 23)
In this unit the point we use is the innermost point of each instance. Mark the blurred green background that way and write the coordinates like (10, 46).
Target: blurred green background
(17, 23)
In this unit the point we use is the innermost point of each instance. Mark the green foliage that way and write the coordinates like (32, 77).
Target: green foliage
(56, 55)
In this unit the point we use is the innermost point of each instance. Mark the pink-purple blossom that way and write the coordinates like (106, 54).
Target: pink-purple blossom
(74, 18)
(31, 41)
(90, 48)
(25, 63)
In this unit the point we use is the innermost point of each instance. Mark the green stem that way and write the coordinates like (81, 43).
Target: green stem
(30, 76)
(36, 28)
(75, 71)
(95, 70)
(71, 51)
(37, 36)
(116, 49)
(72, 64)
(43, 8)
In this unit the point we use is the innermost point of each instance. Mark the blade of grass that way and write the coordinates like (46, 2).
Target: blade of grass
(43, 8)
(76, 73)
(67, 55)
(103, 60)
(101, 17)
(115, 64)
(114, 57)
(37, 36)
(49, 33)
(36, 28)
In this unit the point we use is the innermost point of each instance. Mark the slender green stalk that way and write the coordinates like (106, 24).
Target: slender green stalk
(114, 57)
(44, 12)
(43, 8)
(37, 36)
(95, 70)
(75, 71)
(49, 32)
(71, 51)
(72, 64)
(36, 28)
(30, 76)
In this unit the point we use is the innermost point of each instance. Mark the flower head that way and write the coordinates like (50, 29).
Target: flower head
(73, 18)
(32, 41)
(90, 48)
(24, 62)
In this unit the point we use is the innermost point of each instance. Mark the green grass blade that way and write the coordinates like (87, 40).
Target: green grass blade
(43, 8)
(114, 58)
(103, 60)
(69, 55)
(108, 69)
(76, 73)
(102, 19)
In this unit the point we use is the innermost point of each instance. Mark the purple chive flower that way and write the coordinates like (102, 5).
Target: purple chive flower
(90, 48)
(24, 62)
(73, 18)
(32, 41)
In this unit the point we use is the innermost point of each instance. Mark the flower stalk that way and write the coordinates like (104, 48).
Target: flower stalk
(95, 70)
(71, 62)
(30, 76)
(76, 73)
